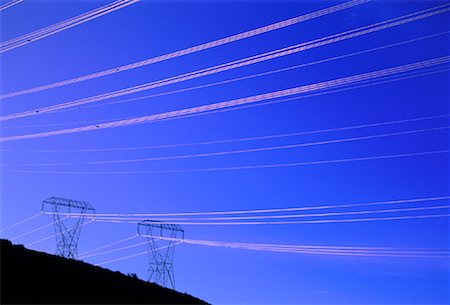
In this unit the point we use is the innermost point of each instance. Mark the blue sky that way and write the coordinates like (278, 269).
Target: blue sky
(230, 276)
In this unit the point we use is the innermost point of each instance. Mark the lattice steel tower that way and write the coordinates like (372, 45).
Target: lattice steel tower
(67, 227)
(162, 239)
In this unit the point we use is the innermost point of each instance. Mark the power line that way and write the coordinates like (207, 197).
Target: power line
(240, 101)
(342, 88)
(228, 218)
(244, 139)
(234, 152)
(114, 250)
(244, 167)
(194, 49)
(218, 220)
(21, 222)
(245, 77)
(271, 210)
(362, 84)
(265, 137)
(64, 25)
(303, 248)
(9, 4)
(34, 230)
(261, 74)
(317, 247)
(324, 251)
(133, 255)
(291, 222)
(235, 64)
(109, 245)
(56, 234)
(320, 250)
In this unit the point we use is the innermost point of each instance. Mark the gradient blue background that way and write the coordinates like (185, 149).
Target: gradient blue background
(228, 276)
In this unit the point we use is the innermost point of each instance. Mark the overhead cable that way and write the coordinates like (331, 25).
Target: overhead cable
(292, 222)
(55, 235)
(270, 210)
(234, 152)
(342, 88)
(231, 65)
(204, 46)
(133, 255)
(64, 25)
(20, 222)
(34, 230)
(9, 4)
(321, 251)
(109, 245)
(232, 168)
(240, 101)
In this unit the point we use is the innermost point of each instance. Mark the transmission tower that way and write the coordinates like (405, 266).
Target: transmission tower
(67, 228)
(162, 239)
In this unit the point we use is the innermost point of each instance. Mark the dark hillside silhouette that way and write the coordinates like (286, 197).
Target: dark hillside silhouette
(32, 277)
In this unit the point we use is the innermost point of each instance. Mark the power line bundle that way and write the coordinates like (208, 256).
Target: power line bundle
(267, 216)
(9, 4)
(64, 25)
(239, 63)
(236, 102)
(208, 45)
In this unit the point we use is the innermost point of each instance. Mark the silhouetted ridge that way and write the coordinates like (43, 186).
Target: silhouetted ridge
(32, 277)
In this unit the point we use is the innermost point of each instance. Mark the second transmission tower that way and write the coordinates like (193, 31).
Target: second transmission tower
(162, 239)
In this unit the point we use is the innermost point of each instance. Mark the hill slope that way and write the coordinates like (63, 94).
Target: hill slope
(33, 277)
